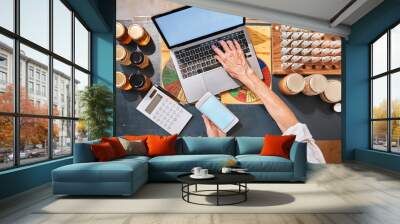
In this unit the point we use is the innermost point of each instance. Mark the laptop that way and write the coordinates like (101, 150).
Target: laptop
(189, 33)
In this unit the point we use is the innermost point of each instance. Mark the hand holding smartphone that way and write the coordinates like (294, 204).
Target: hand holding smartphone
(218, 113)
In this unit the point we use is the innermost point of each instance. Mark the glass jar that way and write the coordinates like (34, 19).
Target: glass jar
(140, 82)
(139, 34)
(140, 60)
(121, 34)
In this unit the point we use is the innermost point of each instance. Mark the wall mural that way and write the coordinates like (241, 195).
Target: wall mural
(301, 66)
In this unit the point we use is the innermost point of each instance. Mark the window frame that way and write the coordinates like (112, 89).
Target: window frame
(388, 74)
(16, 114)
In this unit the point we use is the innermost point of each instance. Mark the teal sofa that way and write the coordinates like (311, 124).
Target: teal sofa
(125, 176)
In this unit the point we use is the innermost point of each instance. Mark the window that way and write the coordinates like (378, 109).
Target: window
(3, 78)
(7, 14)
(37, 89)
(30, 87)
(3, 61)
(44, 126)
(44, 91)
(385, 94)
(30, 72)
(62, 74)
(34, 21)
(81, 45)
(62, 29)
(7, 73)
(38, 73)
(6, 142)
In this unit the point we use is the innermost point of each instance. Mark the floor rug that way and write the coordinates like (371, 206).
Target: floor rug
(167, 198)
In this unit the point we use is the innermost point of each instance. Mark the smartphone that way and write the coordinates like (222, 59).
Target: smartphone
(217, 112)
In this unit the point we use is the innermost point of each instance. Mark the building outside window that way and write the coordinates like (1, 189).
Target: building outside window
(43, 90)
(57, 128)
(3, 78)
(30, 72)
(3, 72)
(30, 87)
(385, 94)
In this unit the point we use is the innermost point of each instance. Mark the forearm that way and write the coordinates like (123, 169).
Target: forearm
(276, 107)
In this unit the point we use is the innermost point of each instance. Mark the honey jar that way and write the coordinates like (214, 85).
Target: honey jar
(121, 34)
(122, 82)
(122, 55)
(139, 34)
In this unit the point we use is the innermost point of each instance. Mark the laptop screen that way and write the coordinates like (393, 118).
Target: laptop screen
(191, 23)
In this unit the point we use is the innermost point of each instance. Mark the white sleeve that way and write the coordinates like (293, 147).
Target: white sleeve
(314, 154)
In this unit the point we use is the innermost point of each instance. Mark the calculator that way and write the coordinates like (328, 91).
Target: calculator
(164, 111)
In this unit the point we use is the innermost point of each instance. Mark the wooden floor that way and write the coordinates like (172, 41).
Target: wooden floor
(379, 189)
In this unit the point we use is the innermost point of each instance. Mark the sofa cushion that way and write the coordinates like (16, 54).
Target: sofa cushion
(161, 145)
(134, 147)
(116, 145)
(277, 145)
(112, 171)
(103, 152)
(257, 163)
(185, 163)
(207, 145)
(249, 145)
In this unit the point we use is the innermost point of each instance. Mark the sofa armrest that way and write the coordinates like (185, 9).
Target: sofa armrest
(83, 152)
(298, 155)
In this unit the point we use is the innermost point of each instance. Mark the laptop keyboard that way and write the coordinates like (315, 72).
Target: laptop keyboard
(200, 58)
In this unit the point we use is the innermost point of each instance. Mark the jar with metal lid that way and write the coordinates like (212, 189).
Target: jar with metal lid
(140, 82)
(140, 60)
(139, 34)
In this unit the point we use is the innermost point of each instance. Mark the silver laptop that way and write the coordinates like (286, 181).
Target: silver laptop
(189, 33)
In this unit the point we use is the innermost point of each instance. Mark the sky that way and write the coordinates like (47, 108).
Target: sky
(34, 26)
(379, 58)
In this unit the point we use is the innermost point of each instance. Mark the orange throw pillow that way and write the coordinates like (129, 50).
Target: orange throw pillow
(116, 145)
(277, 145)
(161, 145)
(103, 152)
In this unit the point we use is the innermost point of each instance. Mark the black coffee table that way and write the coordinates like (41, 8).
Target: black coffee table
(238, 179)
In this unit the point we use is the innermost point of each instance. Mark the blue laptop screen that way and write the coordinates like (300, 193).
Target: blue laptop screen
(191, 23)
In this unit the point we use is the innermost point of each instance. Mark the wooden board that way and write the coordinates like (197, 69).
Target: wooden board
(332, 150)
(307, 69)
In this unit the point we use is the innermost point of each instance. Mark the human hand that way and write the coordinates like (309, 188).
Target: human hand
(233, 60)
(212, 129)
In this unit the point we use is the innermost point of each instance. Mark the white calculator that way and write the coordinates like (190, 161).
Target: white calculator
(164, 111)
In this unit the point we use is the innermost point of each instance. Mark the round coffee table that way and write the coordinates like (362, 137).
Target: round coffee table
(238, 179)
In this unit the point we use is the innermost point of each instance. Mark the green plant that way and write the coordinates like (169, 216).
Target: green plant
(96, 102)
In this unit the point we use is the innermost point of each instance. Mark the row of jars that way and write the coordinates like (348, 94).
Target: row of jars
(134, 32)
(134, 81)
(315, 84)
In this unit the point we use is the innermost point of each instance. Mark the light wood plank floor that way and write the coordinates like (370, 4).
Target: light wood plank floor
(379, 189)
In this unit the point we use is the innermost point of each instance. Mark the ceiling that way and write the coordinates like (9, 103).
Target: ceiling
(329, 16)
(319, 9)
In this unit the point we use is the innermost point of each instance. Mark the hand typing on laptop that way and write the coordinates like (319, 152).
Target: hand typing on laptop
(235, 63)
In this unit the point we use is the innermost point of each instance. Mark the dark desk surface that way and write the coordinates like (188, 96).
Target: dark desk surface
(253, 119)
